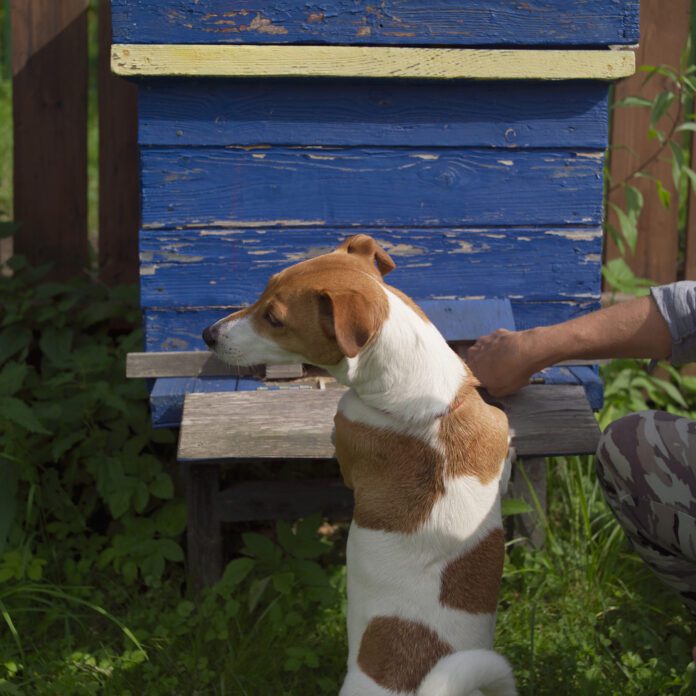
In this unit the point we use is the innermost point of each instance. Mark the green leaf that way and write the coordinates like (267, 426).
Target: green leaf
(55, 343)
(664, 195)
(236, 571)
(633, 101)
(261, 547)
(8, 229)
(170, 519)
(512, 506)
(12, 378)
(661, 104)
(629, 229)
(170, 550)
(13, 340)
(162, 487)
(19, 413)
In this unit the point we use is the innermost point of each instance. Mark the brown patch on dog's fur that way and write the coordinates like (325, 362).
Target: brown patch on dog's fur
(398, 654)
(472, 581)
(475, 437)
(396, 478)
(364, 246)
(329, 306)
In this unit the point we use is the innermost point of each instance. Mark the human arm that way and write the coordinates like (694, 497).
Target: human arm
(658, 326)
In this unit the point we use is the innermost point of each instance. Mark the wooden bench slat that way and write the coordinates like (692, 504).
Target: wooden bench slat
(547, 420)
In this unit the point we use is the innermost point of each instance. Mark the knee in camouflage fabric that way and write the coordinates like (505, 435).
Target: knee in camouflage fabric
(646, 463)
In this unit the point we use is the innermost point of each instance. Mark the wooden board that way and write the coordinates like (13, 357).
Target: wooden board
(453, 22)
(547, 420)
(199, 268)
(183, 112)
(322, 187)
(49, 85)
(119, 195)
(206, 60)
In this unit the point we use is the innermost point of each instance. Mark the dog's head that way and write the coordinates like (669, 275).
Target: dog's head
(317, 311)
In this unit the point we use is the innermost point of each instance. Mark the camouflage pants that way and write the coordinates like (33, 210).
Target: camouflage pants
(646, 463)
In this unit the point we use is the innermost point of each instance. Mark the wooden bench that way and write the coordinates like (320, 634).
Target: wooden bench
(290, 417)
(269, 133)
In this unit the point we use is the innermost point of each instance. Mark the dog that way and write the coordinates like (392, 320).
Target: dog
(426, 458)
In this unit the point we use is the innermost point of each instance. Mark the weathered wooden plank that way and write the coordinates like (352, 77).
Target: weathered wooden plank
(195, 363)
(49, 85)
(288, 500)
(180, 329)
(119, 195)
(454, 22)
(167, 396)
(547, 420)
(303, 187)
(206, 60)
(183, 268)
(388, 113)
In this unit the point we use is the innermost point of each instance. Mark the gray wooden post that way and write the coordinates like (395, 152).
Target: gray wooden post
(204, 534)
(530, 525)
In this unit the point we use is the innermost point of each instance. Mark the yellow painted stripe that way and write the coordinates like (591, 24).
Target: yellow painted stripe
(367, 61)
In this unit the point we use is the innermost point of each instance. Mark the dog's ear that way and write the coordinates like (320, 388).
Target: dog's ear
(349, 318)
(363, 245)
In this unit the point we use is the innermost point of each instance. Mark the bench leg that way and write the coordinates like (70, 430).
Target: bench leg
(530, 525)
(204, 533)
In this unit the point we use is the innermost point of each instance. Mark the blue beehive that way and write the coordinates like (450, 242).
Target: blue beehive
(271, 131)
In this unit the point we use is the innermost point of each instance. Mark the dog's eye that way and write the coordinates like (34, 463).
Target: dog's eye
(272, 320)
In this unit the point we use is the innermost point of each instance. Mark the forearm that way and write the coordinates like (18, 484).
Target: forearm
(633, 329)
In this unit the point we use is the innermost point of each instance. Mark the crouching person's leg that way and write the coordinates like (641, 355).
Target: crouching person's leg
(646, 463)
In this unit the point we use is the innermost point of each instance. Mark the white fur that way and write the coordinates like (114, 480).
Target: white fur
(466, 672)
(239, 343)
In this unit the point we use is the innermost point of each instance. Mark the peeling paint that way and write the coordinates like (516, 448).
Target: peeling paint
(507, 163)
(591, 155)
(310, 253)
(321, 157)
(259, 156)
(592, 258)
(148, 270)
(261, 252)
(577, 235)
(426, 156)
(464, 248)
(258, 223)
(401, 249)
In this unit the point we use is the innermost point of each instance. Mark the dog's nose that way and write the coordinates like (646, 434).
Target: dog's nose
(210, 335)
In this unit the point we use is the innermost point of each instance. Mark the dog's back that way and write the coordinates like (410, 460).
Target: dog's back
(426, 548)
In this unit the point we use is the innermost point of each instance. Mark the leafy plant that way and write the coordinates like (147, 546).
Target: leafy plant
(671, 123)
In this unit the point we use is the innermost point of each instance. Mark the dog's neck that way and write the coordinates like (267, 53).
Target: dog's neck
(408, 370)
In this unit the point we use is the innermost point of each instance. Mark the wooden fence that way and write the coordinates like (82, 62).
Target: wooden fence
(50, 83)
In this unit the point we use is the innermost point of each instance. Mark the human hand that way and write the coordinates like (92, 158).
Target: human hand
(504, 361)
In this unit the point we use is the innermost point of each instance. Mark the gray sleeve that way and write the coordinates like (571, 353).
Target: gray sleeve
(677, 304)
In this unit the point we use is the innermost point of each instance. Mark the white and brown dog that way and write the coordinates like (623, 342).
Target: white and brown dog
(425, 456)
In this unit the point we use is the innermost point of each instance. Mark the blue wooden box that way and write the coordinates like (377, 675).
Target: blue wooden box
(478, 188)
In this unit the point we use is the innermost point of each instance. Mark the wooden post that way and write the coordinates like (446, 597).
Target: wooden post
(664, 32)
(119, 191)
(204, 535)
(690, 246)
(525, 486)
(49, 68)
